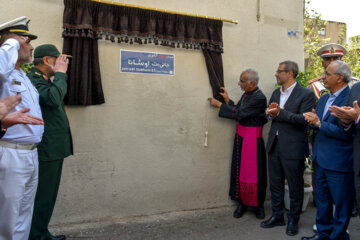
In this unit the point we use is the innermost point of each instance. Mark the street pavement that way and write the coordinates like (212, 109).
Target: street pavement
(209, 224)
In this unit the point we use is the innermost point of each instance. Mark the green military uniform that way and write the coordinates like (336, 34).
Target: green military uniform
(56, 145)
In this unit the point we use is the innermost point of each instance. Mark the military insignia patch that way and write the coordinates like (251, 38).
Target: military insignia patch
(14, 82)
(324, 91)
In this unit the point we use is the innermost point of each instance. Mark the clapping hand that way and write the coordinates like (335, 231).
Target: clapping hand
(312, 118)
(273, 109)
(20, 117)
(346, 114)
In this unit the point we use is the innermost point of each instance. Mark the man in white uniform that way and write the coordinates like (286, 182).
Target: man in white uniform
(18, 152)
(329, 53)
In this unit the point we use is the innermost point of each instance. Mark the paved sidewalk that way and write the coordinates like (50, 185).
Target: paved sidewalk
(210, 224)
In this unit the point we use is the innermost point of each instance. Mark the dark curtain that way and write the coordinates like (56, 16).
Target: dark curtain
(84, 86)
(85, 21)
(216, 73)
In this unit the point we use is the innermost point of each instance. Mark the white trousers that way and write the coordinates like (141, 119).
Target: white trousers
(18, 183)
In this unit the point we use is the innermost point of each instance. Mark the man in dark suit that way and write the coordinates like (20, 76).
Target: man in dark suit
(350, 116)
(287, 145)
(333, 153)
(56, 143)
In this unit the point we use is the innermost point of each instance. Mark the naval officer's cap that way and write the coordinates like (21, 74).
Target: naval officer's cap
(18, 26)
(332, 50)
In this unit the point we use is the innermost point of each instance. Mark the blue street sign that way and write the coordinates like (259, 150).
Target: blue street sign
(147, 63)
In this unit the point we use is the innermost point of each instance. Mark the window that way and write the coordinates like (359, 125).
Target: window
(322, 32)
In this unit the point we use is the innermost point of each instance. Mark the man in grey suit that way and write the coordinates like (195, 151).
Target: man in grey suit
(350, 117)
(287, 145)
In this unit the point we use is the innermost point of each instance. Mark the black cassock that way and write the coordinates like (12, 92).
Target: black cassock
(248, 167)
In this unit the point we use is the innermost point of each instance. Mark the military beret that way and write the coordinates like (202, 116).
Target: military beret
(47, 50)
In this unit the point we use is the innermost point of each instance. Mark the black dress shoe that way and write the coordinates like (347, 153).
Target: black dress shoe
(260, 212)
(292, 228)
(59, 237)
(273, 222)
(315, 237)
(239, 211)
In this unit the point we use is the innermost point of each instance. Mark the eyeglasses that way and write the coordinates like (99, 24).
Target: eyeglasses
(330, 74)
(280, 71)
(26, 39)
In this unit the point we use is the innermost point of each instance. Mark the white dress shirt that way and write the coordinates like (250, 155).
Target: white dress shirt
(284, 95)
(12, 82)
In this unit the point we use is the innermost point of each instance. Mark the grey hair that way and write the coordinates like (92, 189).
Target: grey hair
(291, 66)
(38, 61)
(343, 69)
(252, 75)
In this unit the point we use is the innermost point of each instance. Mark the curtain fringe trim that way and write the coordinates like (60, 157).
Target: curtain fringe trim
(134, 38)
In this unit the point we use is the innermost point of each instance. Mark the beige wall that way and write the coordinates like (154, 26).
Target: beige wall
(142, 152)
(333, 30)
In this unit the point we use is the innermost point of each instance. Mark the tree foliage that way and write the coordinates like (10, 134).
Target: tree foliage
(352, 57)
(27, 67)
(313, 42)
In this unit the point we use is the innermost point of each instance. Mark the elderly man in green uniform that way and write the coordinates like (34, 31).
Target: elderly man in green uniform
(56, 143)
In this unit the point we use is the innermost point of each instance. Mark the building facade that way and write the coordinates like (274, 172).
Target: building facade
(142, 152)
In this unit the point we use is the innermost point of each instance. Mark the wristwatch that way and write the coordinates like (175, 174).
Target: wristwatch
(3, 130)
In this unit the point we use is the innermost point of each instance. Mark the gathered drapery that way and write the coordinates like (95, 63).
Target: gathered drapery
(85, 21)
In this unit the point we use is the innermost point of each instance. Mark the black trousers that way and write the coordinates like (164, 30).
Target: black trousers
(293, 170)
(357, 190)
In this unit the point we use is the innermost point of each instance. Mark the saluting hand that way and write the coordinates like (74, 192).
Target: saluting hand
(61, 64)
(316, 79)
(8, 103)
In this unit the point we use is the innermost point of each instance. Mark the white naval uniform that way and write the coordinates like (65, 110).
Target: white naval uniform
(18, 167)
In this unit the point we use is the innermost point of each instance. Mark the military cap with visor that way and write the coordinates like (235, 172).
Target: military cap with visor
(18, 26)
(332, 50)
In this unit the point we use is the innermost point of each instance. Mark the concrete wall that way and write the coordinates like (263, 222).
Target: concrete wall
(333, 30)
(142, 153)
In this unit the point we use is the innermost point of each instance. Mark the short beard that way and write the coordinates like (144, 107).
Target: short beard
(23, 60)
